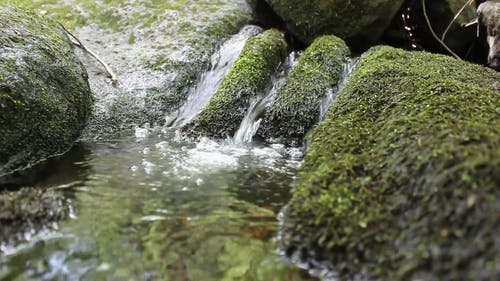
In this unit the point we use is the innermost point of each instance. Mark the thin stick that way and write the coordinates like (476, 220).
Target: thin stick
(79, 43)
(434, 33)
(455, 18)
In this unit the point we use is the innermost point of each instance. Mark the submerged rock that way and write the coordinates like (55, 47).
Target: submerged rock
(359, 22)
(297, 104)
(27, 210)
(158, 49)
(249, 77)
(45, 97)
(402, 178)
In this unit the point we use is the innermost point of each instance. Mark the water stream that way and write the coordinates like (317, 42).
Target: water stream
(331, 94)
(221, 63)
(154, 207)
(251, 122)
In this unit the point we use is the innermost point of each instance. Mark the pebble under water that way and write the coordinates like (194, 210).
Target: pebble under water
(154, 207)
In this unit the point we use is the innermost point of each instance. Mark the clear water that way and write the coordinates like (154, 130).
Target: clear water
(153, 207)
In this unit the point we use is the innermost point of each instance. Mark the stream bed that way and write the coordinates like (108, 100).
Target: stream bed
(154, 207)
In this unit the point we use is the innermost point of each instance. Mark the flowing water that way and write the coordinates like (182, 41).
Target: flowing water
(331, 94)
(251, 122)
(154, 207)
(210, 80)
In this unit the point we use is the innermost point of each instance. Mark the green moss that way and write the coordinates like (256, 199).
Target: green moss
(159, 32)
(356, 19)
(248, 77)
(402, 178)
(297, 105)
(45, 97)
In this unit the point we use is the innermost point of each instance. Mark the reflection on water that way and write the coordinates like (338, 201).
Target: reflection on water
(152, 207)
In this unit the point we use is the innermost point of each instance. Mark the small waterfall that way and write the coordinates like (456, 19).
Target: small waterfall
(331, 94)
(222, 61)
(251, 122)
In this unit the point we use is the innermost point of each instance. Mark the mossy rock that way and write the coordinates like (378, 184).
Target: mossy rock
(401, 179)
(360, 22)
(157, 49)
(45, 98)
(249, 77)
(296, 107)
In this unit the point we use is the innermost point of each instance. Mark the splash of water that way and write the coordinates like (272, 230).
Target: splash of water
(251, 122)
(331, 94)
(222, 62)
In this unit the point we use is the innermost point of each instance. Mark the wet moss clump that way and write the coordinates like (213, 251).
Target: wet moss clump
(401, 180)
(45, 97)
(358, 21)
(297, 104)
(248, 77)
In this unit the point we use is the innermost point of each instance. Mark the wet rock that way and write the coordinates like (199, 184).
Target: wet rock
(401, 179)
(45, 97)
(249, 77)
(158, 49)
(28, 210)
(360, 23)
(296, 107)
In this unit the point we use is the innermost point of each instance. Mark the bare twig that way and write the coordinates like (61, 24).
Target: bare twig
(434, 33)
(468, 3)
(79, 43)
(472, 22)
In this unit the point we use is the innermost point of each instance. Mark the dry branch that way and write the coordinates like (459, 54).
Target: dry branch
(75, 40)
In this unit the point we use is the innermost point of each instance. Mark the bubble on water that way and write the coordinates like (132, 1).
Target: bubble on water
(142, 133)
(152, 218)
(162, 146)
(103, 267)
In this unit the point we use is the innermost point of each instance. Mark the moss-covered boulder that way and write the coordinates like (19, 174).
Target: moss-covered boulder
(296, 107)
(45, 97)
(360, 22)
(248, 77)
(401, 179)
(157, 49)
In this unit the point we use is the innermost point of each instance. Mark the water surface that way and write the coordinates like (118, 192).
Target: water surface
(154, 207)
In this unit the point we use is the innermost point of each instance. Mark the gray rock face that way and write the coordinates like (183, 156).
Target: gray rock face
(360, 22)
(45, 98)
(158, 49)
(489, 15)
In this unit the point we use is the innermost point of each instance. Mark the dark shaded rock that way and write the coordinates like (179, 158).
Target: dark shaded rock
(296, 107)
(249, 77)
(410, 28)
(45, 97)
(358, 22)
(401, 179)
